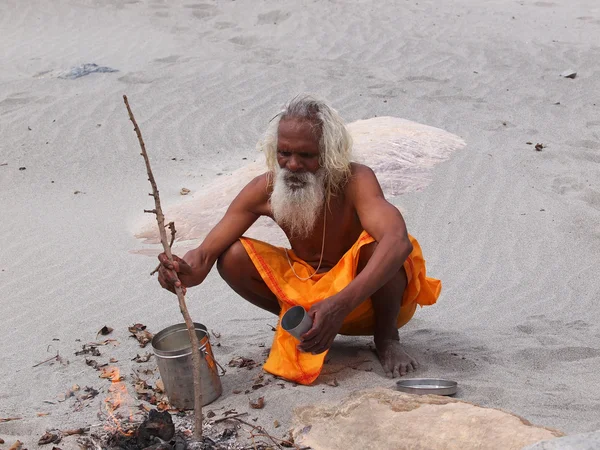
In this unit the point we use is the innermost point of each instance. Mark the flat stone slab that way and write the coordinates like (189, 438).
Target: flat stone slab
(381, 419)
(583, 441)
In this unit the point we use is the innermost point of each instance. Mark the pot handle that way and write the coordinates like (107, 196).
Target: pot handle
(206, 355)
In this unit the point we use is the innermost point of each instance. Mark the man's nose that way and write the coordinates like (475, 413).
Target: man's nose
(294, 164)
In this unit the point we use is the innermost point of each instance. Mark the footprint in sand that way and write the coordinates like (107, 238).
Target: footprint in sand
(567, 185)
(273, 17)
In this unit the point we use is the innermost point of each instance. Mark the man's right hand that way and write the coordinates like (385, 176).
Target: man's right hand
(169, 272)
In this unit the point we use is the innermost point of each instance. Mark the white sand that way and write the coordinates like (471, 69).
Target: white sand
(513, 233)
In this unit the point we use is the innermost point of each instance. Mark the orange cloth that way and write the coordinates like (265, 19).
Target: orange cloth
(285, 360)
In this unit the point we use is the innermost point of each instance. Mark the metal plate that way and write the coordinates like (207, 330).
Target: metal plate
(427, 386)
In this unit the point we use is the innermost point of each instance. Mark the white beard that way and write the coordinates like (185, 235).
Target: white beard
(297, 200)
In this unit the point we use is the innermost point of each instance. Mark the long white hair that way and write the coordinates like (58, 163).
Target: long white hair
(335, 142)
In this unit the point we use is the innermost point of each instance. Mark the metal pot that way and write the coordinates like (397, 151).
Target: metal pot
(173, 352)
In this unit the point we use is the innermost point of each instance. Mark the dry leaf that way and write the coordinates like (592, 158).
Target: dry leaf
(333, 382)
(43, 414)
(56, 448)
(8, 419)
(111, 373)
(259, 403)
(53, 437)
(276, 424)
(104, 331)
(215, 334)
(70, 393)
(16, 446)
(163, 405)
(88, 349)
(184, 191)
(210, 414)
(240, 362)
(141, 334)
(90, 393)
(142, 359)
(539, 147)
(113, 360)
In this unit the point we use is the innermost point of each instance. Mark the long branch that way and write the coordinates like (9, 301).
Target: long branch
(160, 218)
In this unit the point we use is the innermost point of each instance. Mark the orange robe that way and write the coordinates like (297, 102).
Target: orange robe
(285, 360)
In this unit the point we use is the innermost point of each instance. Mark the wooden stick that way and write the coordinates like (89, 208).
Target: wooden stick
(160, 218)
(171, 226)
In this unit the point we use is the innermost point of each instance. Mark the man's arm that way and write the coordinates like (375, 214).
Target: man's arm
(385, 223)
(246, 208)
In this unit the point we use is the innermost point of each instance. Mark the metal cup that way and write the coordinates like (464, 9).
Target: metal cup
(296, 321)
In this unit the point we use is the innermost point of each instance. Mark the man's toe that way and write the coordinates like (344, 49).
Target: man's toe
(397, 371)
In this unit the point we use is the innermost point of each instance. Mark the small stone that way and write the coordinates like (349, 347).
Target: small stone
(529, 143)
(22, 168)
(569, 74)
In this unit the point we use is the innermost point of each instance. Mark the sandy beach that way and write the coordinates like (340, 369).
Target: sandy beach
(512, 232)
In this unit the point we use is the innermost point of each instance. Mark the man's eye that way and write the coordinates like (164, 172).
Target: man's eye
(283, 153)
(308, 155)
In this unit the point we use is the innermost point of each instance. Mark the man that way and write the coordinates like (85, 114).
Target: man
(352, 264)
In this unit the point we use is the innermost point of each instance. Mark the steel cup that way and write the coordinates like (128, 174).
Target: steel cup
(296, 321)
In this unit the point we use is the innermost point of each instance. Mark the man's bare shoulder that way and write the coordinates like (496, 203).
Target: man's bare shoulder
(255, 195)
(359, 175)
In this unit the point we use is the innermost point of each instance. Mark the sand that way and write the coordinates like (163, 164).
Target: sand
(512, 232)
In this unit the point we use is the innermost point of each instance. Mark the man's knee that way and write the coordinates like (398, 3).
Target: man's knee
(232, 260)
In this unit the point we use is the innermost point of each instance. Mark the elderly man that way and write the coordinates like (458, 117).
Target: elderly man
(352, 264)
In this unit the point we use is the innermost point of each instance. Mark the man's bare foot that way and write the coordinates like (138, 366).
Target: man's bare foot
(395, 361)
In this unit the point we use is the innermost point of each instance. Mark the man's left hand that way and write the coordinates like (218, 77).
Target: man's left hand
(327, 317)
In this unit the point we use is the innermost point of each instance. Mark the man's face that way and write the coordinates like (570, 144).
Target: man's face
(298, 146)
(299, 189)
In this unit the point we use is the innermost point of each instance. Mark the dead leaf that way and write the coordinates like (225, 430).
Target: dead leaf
(90, 393)
(210, 414)
(16, 446)
(539, 147)
(230, 412)
(215, 334)
(257, 386)
(93, 363)
(8, 419)
(43, 414)
(113, 360)
(333, 382)
(56, 448)
(142, 335)
(49, 437)
(184, 191)
(104, 331)
(259, 403)
(163, 405)
(276, 424)
(160, 386)
(88, 349)
(70, 393)
(111, 374)
(142, 359)
(240, 362)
